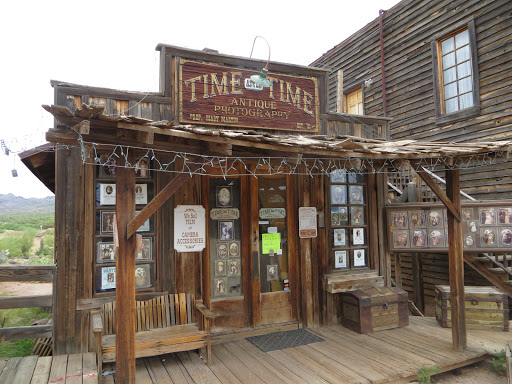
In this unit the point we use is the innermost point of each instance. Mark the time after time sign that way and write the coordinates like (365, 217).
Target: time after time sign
(220, 95)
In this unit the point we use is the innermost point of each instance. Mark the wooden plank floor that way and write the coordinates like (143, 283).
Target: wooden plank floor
(65, 369)
(344, 357)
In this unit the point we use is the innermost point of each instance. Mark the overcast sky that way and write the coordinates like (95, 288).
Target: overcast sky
(112, 44)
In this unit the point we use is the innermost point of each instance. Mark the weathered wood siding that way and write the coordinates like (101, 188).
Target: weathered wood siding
(409, 29)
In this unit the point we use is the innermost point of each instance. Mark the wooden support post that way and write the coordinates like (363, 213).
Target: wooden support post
(417, 281)
(398, 270)
(456, 262)
(125, 276)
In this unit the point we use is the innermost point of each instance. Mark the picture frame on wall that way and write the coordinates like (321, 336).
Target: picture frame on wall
(340, 239)
(488, 237)
(234, 267)
(436, 238)
(358, 236)
(146, 251)
(105, 253)
(224, 196)
(339, 176)
(107, 222)
(340, 259)
(339, 216)
(219, 286)
(356, 194)
(226, 230)
(505, 216)
(467, 214)
(435, 219)
(222, 250)
(338, 194)
(505, 237)
(357, 215)
(107, 194)
(141, 194)
(142, 168)
(142, 276)
(417, 219)
(108, 278)
(473, 226)
(469, 241)
(234, 249)
(220, 268)
(401, 239)
(487, 216)
(272, 272)
(419, 238)
(359, 258)
(399, 220)
(108, 166)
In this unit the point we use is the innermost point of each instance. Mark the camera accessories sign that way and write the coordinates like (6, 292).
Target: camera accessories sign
(226, 96)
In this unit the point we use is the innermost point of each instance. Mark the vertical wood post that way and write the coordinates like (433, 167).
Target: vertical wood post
(125, 276)
(456, 263)
(417, 281)
(398, 270)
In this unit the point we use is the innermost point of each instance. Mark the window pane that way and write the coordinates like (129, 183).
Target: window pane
(451, 105)
(447, 46)
(449, 60)
(466, 100)
(465, 85)
(462, 38)
(463, 70)
(450, 90)
(463, 54)
(449, 76)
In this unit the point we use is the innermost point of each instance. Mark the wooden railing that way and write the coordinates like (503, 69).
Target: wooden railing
(27, 273)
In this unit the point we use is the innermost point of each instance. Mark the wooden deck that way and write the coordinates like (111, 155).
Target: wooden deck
(344, 357)
(65, 369)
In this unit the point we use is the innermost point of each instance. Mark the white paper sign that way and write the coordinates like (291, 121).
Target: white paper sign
(189, 228)
(108, 194)
(307, 222)
(272, 230)
(108, 278)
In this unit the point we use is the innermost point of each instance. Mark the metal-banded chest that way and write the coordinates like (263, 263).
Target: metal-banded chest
(486, 308)
(375, 309)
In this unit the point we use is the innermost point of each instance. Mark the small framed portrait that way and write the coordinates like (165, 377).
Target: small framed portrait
(505, 216)
(272, 272)
(473, 226)
(356, 215)
(359, 258)
(146, 250)
(234, 267)
(469, 241)
(144, 227)
(107, 222)
(358, 236)
(107, 194)
(435, 219)
(141, 194)
(142, 276)
(226, 230)
(339, 216)
(219, 286)
(108, 278)
(506, 237)
(417, 219)
(356, 194)
(487, 216)
(339, 176)
(108, 166)
(399, 220)
(220, 268)
(224, 196)
(339, 237)
(340, 259)
(105, 253)
(467, 214)
(401, 239)
(419, 238)
(142, 168)
(355, 177)
(222, 250)
(338, 194)
(436, 238)
(488, 237)
(234, 249)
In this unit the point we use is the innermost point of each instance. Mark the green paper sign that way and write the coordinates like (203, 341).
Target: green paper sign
(270, 241)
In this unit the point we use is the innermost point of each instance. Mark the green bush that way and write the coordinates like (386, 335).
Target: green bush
(21, 222)
(18, 244)
(499, 363)
(425, 373)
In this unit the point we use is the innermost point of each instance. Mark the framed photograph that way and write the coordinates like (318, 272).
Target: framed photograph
(142, 276)
(141, 194)
(356, 194)
(105, 253)
(107, 222)
(219, 286)
(401, 239)
(108, 278)
(473, 226)
(358, 236)
(220, 268)
(272, 272)
(435, 219)
(505, 216)
(107, 194)
(506, 237)
(488, 237)
(339, 216)
(107, 169)
(356, 215)
(359, 258)
(144, 227)
(467, 214)
(142, 168)
(340, 259)
(339, 237)
(234, 249)
(487, 216)
(469, 241)
(224, 196)
(146, 250)
(419, 238)
(417, 219)
(355, 177)
(226, 230)
(436, 238)
(234, 267)
(338, 194)
(339, 176)
(222, 251)
(399, 220)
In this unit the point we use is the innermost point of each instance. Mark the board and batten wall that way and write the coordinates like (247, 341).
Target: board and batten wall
(409, 29)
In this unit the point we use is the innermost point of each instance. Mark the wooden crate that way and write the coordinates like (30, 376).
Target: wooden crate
(486, 308)
(375, 309)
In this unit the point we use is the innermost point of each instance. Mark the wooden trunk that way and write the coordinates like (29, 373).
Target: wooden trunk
(375, 309)
(486, 308)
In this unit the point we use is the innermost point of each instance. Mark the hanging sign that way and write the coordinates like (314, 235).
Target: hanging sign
(224, 213)
(272, 213)
(189, 228)
(307, 222)
(226, 96)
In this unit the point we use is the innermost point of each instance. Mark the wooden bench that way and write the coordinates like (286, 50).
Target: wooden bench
(164, 324)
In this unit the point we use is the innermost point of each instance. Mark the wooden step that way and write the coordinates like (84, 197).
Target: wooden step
(508, 282)
(500, 270)
(350, 281)
(500, 258)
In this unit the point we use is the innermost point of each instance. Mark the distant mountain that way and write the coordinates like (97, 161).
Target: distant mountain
(10, 204)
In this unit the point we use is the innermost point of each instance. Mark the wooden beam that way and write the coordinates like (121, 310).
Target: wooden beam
(456, 262)
(125, 275)
(30, 332)
(26, 272)
(26, 301)
(159, 200)
(440, 193)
